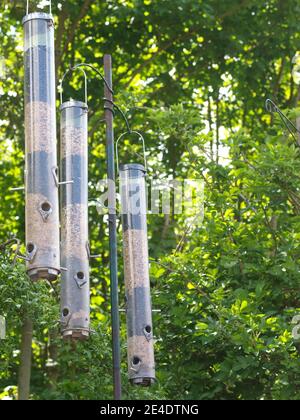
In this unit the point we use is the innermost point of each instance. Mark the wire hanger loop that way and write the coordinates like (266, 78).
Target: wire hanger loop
(140, 137)
(85, 83)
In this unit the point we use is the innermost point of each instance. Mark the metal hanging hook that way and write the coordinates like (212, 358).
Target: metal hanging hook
(140, 138)
(80, 65)
(50, 7)
(72, 69)
(272, 108)
(111, 104)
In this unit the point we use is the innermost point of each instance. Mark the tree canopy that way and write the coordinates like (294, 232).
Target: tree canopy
(193, 76)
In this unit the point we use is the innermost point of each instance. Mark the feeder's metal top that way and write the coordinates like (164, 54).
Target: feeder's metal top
(133, 167)
(36, 16)
(73, 104)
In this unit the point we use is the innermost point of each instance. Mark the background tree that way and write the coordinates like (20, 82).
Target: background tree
(194, 77)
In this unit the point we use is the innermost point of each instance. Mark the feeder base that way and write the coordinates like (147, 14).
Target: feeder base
(80, 335)
(144, 382)
(50, 274)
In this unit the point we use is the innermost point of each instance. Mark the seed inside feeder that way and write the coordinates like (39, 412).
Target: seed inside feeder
(141, 365)
(42, 214)
(75, 292)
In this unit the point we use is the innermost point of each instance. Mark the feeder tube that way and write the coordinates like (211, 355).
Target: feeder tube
(75, 284)
(141, 366)
(42, 210)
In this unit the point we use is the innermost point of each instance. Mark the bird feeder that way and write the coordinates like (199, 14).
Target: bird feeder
(42, 209)
(75, 290)
(141, 365)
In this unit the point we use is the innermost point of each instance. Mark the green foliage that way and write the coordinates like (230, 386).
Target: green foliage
(194, 76)
(81, 371)
(21, 298)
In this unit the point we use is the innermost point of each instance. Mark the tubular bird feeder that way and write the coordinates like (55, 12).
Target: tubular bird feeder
(42, 209)
(140, 343)
(75, 284)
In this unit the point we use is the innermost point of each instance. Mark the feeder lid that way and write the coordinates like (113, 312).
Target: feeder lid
(36, 16)
(73, 104)
(133, 167)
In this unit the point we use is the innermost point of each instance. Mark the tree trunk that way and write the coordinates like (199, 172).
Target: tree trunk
(25, 361)
(298, 127)
(166, 227)
(210, 122)
(52, 355)
(218, 130)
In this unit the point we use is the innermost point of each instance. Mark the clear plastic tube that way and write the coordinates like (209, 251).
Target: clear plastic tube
(75, 290)
(141, 365)
(42, 209)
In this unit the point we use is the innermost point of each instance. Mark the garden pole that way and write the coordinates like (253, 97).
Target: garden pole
(111, 175)
(298, 128)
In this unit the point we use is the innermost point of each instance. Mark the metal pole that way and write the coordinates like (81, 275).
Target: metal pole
(298, 127)
(109, 117)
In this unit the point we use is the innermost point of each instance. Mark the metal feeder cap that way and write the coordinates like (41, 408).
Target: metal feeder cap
(132, 167)
(37, 16)
(73, 104)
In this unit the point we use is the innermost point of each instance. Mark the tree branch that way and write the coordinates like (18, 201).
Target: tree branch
(25, 363)
(72, 31)
(183, 36)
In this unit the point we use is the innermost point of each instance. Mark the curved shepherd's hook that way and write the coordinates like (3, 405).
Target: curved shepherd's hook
(70, 70)
(140, 138)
